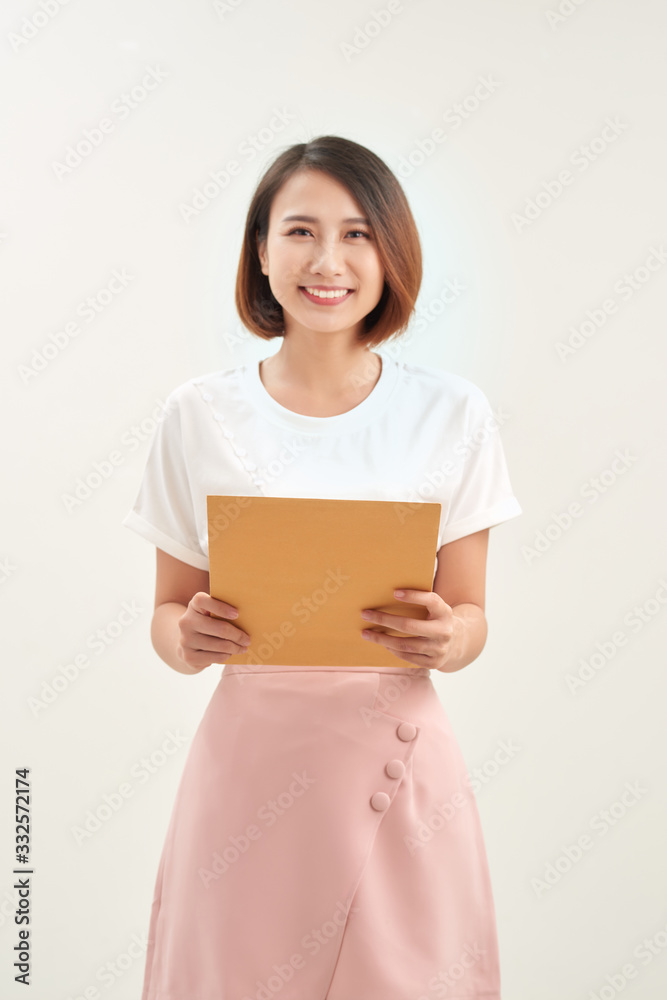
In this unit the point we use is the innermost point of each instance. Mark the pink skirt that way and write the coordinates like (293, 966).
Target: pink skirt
(324, 844)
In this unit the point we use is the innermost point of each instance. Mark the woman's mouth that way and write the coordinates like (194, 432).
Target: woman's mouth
(324, 296)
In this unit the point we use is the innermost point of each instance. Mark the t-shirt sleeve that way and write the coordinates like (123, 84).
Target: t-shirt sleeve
(483, 494)
(163, 511)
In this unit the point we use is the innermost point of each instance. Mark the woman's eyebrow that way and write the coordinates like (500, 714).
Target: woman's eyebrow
(311, 218)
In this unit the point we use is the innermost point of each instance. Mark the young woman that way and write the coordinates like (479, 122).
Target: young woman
(325, 842)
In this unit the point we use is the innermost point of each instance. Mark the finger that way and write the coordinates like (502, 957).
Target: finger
(401, 648)
(203, 603)
(211, 628)
(202, 624)
(417, 626)
(403, 594)
(407, 643)
(213, 644)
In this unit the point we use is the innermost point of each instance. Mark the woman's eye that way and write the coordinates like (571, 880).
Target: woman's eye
(356, 232)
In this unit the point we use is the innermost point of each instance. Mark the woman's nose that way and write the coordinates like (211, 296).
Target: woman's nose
(327, 252)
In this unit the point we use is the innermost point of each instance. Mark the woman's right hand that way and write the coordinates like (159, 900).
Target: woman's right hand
(205, 640)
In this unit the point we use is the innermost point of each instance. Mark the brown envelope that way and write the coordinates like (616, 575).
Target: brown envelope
(300, 571)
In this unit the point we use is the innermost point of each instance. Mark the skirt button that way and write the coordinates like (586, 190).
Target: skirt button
(395, 768)
(406, 731)
(380, 801)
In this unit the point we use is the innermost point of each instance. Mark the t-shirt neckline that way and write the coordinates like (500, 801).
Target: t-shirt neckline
(358, 416)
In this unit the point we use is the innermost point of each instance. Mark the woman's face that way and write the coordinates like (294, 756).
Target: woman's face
(317, 239)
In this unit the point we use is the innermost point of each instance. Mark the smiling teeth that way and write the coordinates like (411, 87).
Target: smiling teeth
(320, 294)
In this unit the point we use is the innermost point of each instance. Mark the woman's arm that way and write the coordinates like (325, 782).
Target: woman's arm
(182, 632)
(176, 583)
(460, 580)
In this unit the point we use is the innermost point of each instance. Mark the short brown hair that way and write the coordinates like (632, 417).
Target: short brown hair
(383, 201)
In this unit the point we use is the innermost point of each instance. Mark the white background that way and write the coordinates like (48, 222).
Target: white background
(555, 81)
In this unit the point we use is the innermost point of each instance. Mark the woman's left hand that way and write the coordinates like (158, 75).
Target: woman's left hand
(430, 642)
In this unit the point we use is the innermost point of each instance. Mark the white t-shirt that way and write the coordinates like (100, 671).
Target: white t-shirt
(422, 434)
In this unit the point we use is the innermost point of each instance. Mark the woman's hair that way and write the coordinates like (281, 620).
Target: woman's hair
(378, 192)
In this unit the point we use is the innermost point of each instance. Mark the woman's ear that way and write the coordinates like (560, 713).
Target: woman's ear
(261, 252)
